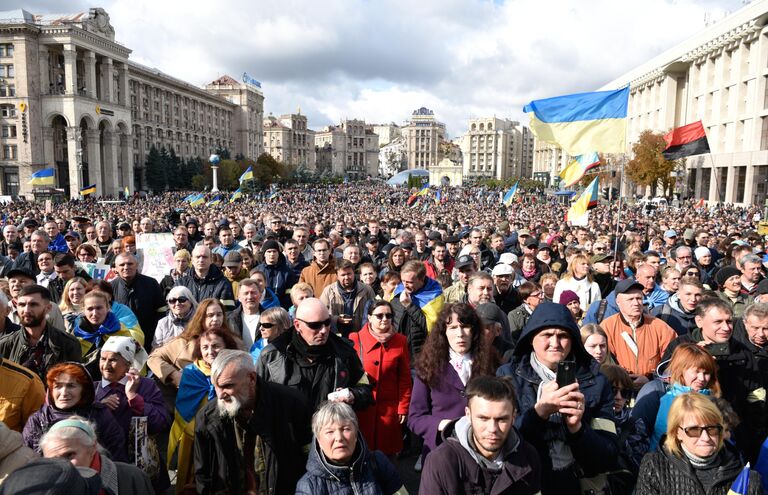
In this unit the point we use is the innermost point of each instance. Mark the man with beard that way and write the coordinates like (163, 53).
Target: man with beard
(439, 263)
(38, 345)
(253, 437)
(17, 280)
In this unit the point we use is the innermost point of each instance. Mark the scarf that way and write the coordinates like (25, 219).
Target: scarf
(181, 321)
(462, 363)
(555, 434)
(109, 326)
(382, 338)
(528, 274)
(313, 352)
(700, 462)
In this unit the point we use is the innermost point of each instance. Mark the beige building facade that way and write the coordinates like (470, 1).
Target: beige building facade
(423, 135)
(288, 139)
(493, 148)
(73, 101)
(350, 149)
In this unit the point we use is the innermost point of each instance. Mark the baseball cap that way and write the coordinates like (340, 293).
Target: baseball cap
(532, 242)
(670, 233)
(19, 271)
(233, 258)
(543, 246)
(349, 233)
(599, 258)
(521, 233)
(464, 261)
(72, 233)
(508, 258)
(627, 285)
(501, 269)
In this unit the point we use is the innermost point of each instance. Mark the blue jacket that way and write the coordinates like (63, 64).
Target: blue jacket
(676, 317)
(280, 278)
(595, 446)
(610, 310)
(58, 244)
(660, 425)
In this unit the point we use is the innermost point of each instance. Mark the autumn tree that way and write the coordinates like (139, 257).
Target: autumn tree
(649, 167)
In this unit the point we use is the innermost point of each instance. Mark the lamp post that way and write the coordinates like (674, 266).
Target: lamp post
(215, 160)
(79, 154)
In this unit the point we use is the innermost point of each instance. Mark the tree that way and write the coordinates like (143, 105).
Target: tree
(267, 170)
(649, 167)
(154, 170)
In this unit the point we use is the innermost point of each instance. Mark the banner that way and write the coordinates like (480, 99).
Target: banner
(155, 254)
(97, 271)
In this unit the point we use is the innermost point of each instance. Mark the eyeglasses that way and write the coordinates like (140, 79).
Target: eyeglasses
(180, 300)
(623, 392)
(692, 274)
(316, 325)
(267, 325)
(598, 248)
(537, 294)
(382, 316)
(696, 431)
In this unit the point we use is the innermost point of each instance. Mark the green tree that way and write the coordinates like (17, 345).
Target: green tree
(649, 167)
(173, 171)
(229, 173)
(154, 170)
(268, 171)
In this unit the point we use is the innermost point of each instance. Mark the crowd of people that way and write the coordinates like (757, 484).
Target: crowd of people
(310, 342)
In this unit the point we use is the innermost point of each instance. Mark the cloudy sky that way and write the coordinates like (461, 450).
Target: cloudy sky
(379, 60)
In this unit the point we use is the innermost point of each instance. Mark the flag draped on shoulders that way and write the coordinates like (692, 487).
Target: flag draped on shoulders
(687, 140)
(582, 123)
(429, 299)
(577, 214)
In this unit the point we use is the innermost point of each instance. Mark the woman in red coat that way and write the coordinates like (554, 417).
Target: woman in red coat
(384, 354)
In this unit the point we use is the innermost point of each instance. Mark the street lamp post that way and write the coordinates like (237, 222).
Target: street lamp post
(79, 154)
(215, 160)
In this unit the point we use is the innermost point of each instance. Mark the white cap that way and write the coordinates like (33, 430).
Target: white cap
(501, 269)
(508, 258)
(702, 251)
(129, 349)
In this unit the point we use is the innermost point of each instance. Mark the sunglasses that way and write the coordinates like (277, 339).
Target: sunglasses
(382, 316)
(692, 274)
(696, 431)
(267, 325)
(316, 325)
(623, 392)
(180, 300)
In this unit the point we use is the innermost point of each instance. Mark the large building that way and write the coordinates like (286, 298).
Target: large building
(423, 136)
(288, 140)
(350, 149)
(493, 148)
(387, 132)
(72, 100)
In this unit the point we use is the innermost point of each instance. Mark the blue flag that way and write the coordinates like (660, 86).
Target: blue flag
(741, 483)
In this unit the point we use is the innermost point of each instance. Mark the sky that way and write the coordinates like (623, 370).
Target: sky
(380, 60)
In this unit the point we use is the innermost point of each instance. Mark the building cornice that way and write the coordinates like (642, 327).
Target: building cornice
(78, 34)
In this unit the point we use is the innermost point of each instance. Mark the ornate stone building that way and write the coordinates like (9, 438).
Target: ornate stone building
(494, 149)
(423, 135)
(288, 139)
(350, 149)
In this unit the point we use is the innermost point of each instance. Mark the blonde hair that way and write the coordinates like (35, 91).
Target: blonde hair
(570, 273)
(697, 405)
(301, 287)
(66, 303)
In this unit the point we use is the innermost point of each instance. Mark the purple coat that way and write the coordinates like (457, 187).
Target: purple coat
(108, 432)
(148, 402)
(429, 406)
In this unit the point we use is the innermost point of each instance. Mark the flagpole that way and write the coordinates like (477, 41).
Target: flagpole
(717, 177)
(618, 214)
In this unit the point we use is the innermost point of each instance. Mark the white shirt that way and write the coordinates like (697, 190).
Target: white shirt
(122, 381)
(250, 329)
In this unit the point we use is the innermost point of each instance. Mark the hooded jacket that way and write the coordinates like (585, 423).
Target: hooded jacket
(671, 313)
(595, 445)
(370, 473)
(280, 278)
(214, 285)
(456, 467)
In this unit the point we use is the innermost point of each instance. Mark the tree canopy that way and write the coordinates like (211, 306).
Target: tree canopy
(649, 167)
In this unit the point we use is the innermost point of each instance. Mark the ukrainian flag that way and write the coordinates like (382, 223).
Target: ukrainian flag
(438, 197)
(247, 175)
(236, 195)
(189, 198)
(741, 483)
(422, 192)
(429, 299)
(126, 192)
(88, 190)
(214, 201)
(510, 195)
(574, 171)
(582, 123)
(44, 177)
(577, 214)
(197, 200)
(272, 195)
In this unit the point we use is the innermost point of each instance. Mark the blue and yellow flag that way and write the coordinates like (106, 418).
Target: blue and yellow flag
(190, 197)
(582, 123)
(510, 194)
(197, 200)
(577, 214)
(438, 197)
(741, 483)
(214, 201)
(574, 171)
(429, 299)
(44, 177)
(422, 192)
(272, 195)
(247, 175)
(236, 195)
(88, 190)
(126, 192)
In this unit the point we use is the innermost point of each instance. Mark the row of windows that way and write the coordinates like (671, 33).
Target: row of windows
(10, 152)
(6, 50)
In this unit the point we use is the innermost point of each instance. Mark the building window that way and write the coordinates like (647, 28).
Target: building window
(7, 90)
(764, 134)
(6, 50)
(9, 152)
(7, 111)
(9, 131)
(6, 70)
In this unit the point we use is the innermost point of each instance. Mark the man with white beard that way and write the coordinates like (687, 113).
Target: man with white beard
(254, 436)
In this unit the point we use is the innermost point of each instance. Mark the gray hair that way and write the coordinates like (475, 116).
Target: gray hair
(750, 258)
(181, 291)
(72, 433)
(41, 233)
(241, 359)
(279, 316)
(3, 299)
(130, 256)
(680, 249)
(478, 276)
(332, 412)
(758, 310)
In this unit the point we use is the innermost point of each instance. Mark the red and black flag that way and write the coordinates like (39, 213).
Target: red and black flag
(685, 141)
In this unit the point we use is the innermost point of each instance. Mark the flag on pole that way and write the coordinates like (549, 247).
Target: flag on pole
(582, 123)
(247, 175)
(197, 200)
(236, 195)
(44, 177)
(438, 197)
(687, 140)
(189, 198)
(422, 192)
(510, 195)
(214, 201)
(741, 483)
(577, 214)
(574, 171)
(126, 192)
(88, 190)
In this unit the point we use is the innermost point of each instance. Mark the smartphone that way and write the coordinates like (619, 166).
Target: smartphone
(566, 373)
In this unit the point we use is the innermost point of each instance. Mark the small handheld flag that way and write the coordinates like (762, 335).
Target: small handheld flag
(44, 177)
(236, 195)
(88, 190)
(687, 140)
(510, 195)
(247, 175)
(741, 483)
(580, 165)
(577, 214)
(126, 192)
(214, 201)
(197, 200)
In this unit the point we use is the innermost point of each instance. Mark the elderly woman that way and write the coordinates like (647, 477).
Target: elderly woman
(195, 390)
(168, 361)
(339, 459)
(71, 304)
(181, 307)
(95, 325)
(694, 458)
(70, 392)
(181, 261)
(273, 322)
(74, 439)
(571, 425)
(385, 357)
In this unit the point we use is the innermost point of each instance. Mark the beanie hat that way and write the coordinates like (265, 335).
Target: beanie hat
(270, 244)
(568, 296)
(52, 476)
(701, 251)
(725, 273)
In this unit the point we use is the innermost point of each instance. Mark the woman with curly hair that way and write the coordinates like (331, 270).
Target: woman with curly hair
(454, 352)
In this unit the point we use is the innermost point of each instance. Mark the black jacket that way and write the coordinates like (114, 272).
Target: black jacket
(280, 278)
(508, 301)
(662, 473)
(27, 261)
(60, 347)
(281, 419)
(147, 301)
(214, 285)
(412, 323)
(760, 353)
(280, 363)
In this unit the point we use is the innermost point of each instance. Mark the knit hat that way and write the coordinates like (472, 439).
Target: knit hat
(270, 244)
(568, 296)
(51, 476)
(701, 251)
(725, 273)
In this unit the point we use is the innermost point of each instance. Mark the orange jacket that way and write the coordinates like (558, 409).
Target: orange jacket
(652, 338)
(319, 278)
(22, 394)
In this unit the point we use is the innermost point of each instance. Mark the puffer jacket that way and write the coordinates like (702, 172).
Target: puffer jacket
(280, 278)
(675, 316)
(664, 473)
(214, 285)
(370, 473)
(595, 446)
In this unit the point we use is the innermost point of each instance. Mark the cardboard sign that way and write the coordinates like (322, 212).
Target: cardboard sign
(97, 271)
(156, 254)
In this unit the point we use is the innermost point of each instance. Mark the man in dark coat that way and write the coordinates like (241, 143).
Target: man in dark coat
(752, 331)
(280, 277)
(679, 312)
(204, 279)
(249, 412)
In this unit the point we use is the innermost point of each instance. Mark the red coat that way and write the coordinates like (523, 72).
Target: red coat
(389, 370)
